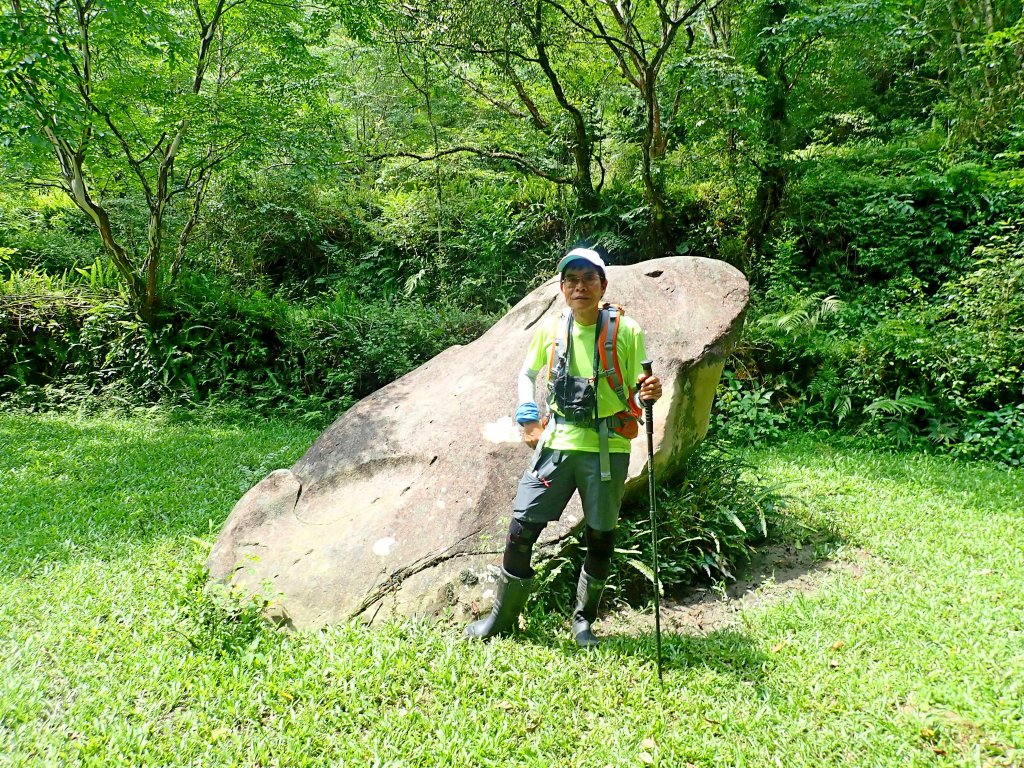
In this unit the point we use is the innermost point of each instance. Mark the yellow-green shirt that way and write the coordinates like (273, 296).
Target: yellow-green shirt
(631, 351)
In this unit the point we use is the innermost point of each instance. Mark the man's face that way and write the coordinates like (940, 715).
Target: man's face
(582, 287)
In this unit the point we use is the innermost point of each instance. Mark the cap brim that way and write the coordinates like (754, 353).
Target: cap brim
(580, 254)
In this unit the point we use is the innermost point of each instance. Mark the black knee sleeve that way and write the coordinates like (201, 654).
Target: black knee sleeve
(519, 547)
(600, 546)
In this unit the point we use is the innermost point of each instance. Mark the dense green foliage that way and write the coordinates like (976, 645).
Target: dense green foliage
(940, 362)
(111, 649)
(403, 174)
(216, 345)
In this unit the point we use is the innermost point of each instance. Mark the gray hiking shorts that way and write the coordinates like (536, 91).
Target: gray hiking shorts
(546, 488)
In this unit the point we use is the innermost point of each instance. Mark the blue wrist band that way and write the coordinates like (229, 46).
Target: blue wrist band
(527, 412)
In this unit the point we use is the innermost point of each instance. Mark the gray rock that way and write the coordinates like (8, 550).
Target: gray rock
(401, 507)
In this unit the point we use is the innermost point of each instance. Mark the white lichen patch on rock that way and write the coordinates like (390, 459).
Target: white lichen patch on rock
(382, 547)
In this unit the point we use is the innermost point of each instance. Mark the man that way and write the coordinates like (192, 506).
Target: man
(581, 447)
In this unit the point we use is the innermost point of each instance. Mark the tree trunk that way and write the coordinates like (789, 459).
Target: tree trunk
(72, 179)
(658, 224)
(773, 176)
(582, 147)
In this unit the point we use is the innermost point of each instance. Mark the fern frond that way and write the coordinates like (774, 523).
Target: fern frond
(842, 408)
(900, 405)
(830, 305)
(804, 317)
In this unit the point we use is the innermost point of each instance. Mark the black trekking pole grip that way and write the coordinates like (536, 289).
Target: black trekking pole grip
(648, 367)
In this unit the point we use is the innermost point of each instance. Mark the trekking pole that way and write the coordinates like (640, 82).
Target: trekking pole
(648, 367)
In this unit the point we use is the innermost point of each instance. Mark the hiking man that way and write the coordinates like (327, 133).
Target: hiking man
(592, 353)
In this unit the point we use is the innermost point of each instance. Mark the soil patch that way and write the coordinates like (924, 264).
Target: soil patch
(776, 573)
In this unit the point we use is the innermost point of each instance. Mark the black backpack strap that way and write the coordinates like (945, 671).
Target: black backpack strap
(601, 425)
(602, 320)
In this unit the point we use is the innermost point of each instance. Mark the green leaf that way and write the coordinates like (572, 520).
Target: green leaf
(642, 567)
(736, 521)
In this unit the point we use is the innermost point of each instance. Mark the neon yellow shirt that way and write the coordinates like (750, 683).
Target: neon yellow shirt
(631, 351)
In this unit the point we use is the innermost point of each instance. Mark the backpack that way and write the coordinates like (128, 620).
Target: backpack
(606, 365)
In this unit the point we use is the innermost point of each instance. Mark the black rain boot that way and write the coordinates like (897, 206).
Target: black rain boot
(511, 597)
(588, 596)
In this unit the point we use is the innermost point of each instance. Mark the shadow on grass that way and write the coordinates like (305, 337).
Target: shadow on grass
(724, 651)
(699, 623)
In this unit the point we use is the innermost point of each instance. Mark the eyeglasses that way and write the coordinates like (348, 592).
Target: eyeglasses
(590, 278)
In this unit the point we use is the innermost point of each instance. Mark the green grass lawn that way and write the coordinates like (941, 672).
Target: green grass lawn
(111, 652)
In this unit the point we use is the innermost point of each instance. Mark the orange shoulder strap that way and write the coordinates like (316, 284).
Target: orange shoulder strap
(608, 353)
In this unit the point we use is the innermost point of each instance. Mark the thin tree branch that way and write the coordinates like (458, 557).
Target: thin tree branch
(517, 160)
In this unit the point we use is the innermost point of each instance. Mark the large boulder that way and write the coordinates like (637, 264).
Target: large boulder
(401, 507)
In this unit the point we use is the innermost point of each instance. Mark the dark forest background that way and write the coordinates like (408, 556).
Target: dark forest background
(284, 206)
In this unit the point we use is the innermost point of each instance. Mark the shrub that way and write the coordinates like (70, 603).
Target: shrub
(977, 324)
(709, 519)
(744, 413)
(708, 522)
(931, 365)
(47, 231)
(61, 343)
(996, 436)
(893, 215)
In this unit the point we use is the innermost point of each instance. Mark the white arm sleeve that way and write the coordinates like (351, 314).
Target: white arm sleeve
(525, 381)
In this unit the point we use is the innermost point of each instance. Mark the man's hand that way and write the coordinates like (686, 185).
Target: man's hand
(532, 432)
(650, 388)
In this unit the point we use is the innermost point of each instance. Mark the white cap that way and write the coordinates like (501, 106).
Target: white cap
(581, 254)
